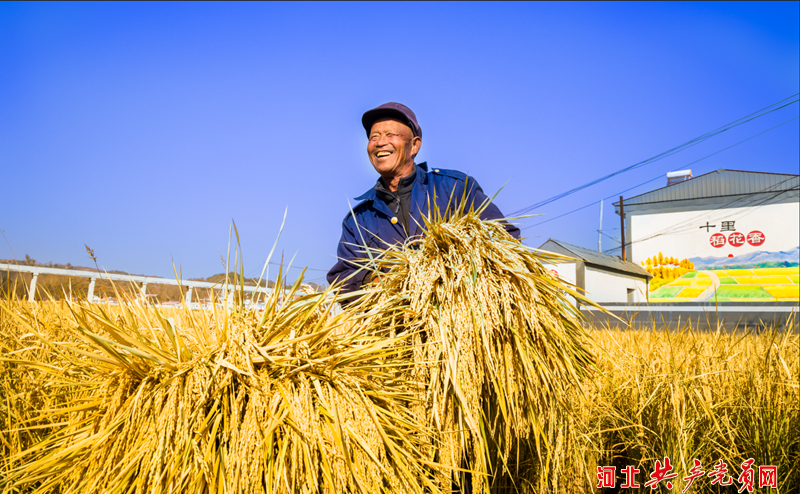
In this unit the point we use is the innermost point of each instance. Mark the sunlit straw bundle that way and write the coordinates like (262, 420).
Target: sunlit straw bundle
(498, 348)
(461, 359)
(290, 400)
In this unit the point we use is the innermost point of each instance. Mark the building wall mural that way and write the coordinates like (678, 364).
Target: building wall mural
(728, 254)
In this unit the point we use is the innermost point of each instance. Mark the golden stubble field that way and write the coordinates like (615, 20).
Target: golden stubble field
(464, 366)
(685, 395)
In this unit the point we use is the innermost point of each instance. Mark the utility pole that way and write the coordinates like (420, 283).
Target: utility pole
(600, 229)
(622, 227)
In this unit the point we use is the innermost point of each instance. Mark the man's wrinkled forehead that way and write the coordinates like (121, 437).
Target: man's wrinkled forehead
(399, 125)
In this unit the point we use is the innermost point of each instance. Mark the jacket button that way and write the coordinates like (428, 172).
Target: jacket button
(394, 220)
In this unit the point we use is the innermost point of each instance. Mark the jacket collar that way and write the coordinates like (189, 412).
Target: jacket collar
(406, 185)
(421, 178)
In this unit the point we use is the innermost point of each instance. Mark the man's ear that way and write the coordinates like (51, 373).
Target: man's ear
(416, 144)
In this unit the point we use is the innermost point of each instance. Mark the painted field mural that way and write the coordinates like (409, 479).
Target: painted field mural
(749, 254)
(723, 281)
(665, 269)
(732, 285)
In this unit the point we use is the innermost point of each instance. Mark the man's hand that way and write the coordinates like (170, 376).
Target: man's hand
(372, 280)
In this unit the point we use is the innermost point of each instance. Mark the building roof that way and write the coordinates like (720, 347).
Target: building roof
(719, 183)
(594, 258)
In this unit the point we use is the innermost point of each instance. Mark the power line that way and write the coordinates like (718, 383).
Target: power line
(681, 224)
(659, 176)
(742, 197)
(615, 239)
(285, 267)
(301, 267)
(592, 204)
(697, 140)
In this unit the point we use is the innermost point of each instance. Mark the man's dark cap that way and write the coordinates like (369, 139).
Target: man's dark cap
(392, 110)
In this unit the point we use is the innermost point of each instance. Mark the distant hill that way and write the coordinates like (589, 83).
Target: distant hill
(761, 259)
(234, 278)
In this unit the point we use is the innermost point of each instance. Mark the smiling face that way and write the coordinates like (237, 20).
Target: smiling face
(391, 149)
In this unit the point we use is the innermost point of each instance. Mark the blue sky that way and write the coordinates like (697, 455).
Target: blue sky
(142, 129)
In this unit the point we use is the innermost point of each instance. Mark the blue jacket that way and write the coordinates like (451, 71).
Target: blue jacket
(379, 226)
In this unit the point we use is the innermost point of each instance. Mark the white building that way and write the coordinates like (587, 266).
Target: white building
(603, 277)
(739, 231)
(724, 217)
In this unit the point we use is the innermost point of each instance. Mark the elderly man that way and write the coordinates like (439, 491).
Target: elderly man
(392, 210)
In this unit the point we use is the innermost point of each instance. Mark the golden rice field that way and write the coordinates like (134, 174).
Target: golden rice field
(463, 369)
(686, 395)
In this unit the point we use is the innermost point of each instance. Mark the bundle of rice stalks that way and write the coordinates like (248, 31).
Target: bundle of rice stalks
(288, 400)
(498, 349)
(22, 393)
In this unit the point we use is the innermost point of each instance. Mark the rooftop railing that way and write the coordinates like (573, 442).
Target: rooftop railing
(95, 275)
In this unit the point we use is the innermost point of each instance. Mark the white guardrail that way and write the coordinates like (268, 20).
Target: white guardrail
(94, 275)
